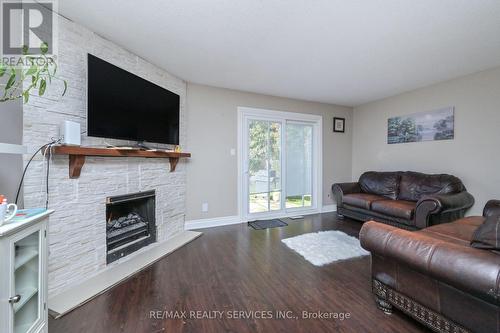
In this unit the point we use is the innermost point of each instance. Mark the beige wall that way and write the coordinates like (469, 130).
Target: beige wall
(212, 172)
(474, 153)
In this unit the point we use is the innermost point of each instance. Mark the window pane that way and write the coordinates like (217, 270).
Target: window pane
(258, 203)
(257, 159)
(264, 166)
(275, 200)
(298, 165)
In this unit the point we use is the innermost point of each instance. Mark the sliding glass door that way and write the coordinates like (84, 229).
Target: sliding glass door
(279, 163)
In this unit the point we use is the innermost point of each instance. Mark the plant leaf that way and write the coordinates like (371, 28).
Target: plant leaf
(45, 69)
(3, 69)
(43, 86)
(26, 95)
(25, 49)
(65, 87)
(44, 48)
(10, 83)
(32, 70)
(55, 69)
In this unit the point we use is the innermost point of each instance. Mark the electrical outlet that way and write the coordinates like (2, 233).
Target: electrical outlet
(232, 151)
(204, 207)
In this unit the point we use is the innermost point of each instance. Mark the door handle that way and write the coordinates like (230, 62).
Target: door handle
(14, 299)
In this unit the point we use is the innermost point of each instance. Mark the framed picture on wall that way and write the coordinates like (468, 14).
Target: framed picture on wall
(423, 126)
(339, 125)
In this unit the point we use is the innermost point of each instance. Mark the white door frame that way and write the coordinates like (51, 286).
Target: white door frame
(317, 122)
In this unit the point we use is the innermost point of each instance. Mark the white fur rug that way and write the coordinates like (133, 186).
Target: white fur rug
(325, 247)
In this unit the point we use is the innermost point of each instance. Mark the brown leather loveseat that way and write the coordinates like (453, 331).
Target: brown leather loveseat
(435, 276)
(408, 200)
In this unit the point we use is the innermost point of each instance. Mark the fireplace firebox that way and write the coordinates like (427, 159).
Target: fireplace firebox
(130, 224)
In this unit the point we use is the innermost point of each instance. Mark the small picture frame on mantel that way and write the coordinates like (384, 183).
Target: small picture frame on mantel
(338, 125)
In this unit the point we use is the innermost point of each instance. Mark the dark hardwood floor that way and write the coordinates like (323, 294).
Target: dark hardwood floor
(236, 268)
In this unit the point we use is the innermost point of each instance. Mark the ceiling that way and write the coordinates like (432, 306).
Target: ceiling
(346, 52)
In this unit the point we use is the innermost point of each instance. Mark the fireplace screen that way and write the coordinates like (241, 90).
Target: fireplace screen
(130, 223)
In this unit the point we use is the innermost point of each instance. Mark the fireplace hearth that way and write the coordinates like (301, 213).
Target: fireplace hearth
(130, 224)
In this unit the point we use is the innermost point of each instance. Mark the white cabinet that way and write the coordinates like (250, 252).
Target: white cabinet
(23, 277)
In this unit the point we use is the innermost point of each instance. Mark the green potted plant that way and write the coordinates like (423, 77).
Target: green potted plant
(30, 74)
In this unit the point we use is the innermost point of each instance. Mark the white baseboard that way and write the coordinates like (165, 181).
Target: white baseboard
(229, 220)
(212, 222)
(329, 208)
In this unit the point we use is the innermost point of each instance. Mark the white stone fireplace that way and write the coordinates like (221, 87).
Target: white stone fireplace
(77, 230)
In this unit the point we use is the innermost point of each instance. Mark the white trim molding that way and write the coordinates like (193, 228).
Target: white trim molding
(329, 208)
(230, 220)
(212, 222)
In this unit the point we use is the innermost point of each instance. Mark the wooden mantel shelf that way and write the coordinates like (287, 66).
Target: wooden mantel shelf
(77, 155)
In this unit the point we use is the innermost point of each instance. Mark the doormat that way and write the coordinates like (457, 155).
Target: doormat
(266, 224)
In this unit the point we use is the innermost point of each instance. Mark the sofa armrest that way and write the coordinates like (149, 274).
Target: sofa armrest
(463, 267)
(442, 204)
(492, 208)
(341, 189)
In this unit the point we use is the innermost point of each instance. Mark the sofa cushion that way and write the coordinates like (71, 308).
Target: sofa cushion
(380, 183)
(361, 200)
(396, 208)
(458, 232)
(487, 236)
(414, 185)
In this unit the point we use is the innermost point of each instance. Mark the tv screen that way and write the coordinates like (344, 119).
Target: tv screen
(124, 106)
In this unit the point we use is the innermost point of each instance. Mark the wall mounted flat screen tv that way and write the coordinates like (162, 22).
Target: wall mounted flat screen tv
(124, 106)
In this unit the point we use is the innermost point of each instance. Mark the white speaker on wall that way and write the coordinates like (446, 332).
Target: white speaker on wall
(70, 133)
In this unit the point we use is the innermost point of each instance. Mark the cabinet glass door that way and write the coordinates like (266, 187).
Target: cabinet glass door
(26, 298)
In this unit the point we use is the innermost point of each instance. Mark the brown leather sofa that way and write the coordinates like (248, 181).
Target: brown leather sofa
(435, 276)
(408, 200)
